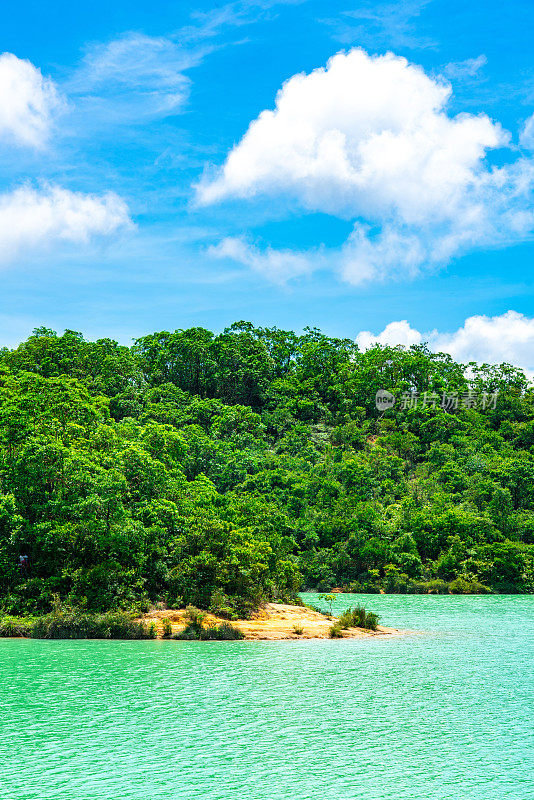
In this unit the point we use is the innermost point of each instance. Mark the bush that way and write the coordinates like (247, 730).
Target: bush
(463, 586)
(167, 627)
(220, 604)
(188, 634)
(195, 630)
(67, 623)
(358, 617)
(223, 632)
(335, 631)
(434, 586)
(16, 626)
(355, 587)
(298, 629)
(371, 621)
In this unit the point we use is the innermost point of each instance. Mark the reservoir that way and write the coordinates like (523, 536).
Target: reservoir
(443, 712)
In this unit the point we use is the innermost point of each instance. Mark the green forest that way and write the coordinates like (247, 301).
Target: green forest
(225, 470)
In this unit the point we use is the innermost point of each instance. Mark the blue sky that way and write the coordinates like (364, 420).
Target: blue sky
(375, 194)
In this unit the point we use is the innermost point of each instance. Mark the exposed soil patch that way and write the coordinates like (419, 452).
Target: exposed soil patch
(274, 621)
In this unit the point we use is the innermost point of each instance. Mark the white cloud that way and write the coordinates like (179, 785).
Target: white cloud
(276, 265)
(508, 337)
(393, 334)
(31, 218)
(28, 102)
(382, 24)
(363, 135)
(368, 139)
(132, 78)
(505, 338)
(233, 14)
(527, 134)
(465, 69)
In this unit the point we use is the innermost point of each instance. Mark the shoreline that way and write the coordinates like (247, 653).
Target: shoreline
(273, 622)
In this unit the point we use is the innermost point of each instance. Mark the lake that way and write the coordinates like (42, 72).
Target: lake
(446, 712)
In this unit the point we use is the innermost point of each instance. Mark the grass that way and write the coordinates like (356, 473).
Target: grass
(16, 626)
(68, 623)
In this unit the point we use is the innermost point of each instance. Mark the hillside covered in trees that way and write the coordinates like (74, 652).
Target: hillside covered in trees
(225, 470)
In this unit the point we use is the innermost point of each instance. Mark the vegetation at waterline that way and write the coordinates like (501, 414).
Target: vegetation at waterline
(196, 630)
(16, 626)
(225, 470)
(66, 622)
(356, 617)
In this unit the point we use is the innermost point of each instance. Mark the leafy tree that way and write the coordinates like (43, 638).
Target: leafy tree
(226, 470)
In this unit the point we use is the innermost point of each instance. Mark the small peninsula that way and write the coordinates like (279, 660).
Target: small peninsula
(275, 621)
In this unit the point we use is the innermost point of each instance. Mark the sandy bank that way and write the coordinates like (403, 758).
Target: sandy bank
(275, 621)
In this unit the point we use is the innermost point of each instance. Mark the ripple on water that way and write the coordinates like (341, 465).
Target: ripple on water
(446, 714)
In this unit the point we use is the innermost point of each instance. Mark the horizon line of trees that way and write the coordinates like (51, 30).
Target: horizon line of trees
(226, 469)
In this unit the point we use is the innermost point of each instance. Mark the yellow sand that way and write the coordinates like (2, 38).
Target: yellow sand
(273, 621)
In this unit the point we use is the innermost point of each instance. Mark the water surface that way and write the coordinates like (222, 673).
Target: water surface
(444, 713)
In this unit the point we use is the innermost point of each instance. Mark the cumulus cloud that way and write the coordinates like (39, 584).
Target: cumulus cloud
(393, 334)
(33, 218)
(505, 338)
(28, 102)
(276, 265)
(368, 139)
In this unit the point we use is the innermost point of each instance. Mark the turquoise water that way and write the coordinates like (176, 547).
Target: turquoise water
(445, 713)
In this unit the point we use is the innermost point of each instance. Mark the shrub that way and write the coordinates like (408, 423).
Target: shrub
(167, 627)
(358, 617)
(188, 634)
(298, 629)
(175, 601)
(328, 598)
(220, 604)
(463, 586)
(195, 617)
(224, 631)
(67, 623)
(371, 621)
(437, 586)
(319, 610)
(16, 626)
(355, 587)
(335, 631)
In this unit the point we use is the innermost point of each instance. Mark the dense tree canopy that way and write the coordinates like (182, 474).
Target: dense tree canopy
(223, 470)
